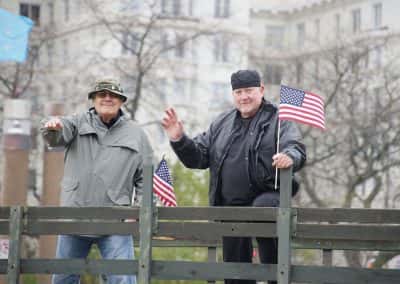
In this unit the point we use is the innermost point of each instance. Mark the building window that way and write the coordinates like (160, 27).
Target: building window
(274, 36)
(34, 54)
(130, 43)
(31, 11)
(317, 25)
(192, 49)
(171, 7)
(337, 25)
(50, 91)
(377, 15)
(180, 47)
(221, 49)
(301, 34)
(222, 8)
(66, 10)
(377, 57)
(129, 5)
(51, 12)
(378, 98)
(165, 45)
(273, 74)
(299, 73)
(190, 7)
(355, 62)
(161, 90)
(356, 15)
(221, 94)
(129, 85)
(50, 54)
(182, 90)
(65, 44)
(316, 71)
(64, 89)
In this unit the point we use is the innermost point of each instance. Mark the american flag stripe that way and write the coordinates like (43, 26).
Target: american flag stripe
(313, 103)
(162, 185)
(311, 122)
(294, 110)
(166, 201)
(165, 197)
(163, 189)
(304, 107)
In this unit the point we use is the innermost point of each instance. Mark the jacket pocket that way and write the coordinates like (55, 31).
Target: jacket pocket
(119, 197)
(69, 184)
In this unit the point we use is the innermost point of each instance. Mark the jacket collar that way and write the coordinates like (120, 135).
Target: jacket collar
(91, 115)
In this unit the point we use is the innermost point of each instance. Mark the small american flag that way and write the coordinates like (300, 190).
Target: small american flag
(301, 106)
(162, 185)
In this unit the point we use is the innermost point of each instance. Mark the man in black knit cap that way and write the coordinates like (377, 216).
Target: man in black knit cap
(239, 148)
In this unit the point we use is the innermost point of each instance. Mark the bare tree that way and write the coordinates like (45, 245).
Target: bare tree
(152, 39)
(351, 163)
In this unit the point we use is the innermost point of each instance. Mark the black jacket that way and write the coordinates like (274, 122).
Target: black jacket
(209, 149)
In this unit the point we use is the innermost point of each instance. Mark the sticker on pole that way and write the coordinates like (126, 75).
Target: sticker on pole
(4, 246)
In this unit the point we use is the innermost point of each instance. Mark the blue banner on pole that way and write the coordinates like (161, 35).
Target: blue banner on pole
(14, 34)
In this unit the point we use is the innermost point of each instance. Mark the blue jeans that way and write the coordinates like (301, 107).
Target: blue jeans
(111, 247)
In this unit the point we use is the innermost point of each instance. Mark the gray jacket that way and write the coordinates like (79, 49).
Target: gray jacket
(103, 167)
(209, 149)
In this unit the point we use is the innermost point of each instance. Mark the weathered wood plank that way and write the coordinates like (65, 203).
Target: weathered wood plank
(14, 253)
(336, 215)
(284, 249)
(79, 266)
(146, 227)
(284, 226)
(182, 243)
(214, 231)
(105, 213)
(298, 243)
(212, 258)
(68, 228)
(180, 270)
(349, 232)
(218, 213)
(344, 275)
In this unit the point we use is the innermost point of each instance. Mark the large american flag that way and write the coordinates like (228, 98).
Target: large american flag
(301, 106)
(162, 185)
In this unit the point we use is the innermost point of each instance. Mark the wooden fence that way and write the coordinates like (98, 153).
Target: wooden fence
(296, 228)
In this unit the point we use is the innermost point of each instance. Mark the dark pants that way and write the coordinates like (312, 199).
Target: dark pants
(237, 249)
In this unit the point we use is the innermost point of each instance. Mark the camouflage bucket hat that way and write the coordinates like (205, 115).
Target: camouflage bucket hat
(108, 85)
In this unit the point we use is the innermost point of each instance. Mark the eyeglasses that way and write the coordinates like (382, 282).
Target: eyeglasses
(103, 94)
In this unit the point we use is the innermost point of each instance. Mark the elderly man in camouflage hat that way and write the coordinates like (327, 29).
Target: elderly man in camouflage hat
(239, 148)
(104, 154)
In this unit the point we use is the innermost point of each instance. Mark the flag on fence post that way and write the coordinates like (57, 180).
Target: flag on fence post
(14, 33)
(162, 185)
(300, 106)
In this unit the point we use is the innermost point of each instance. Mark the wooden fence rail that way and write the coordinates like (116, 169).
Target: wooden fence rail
(296, 228)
